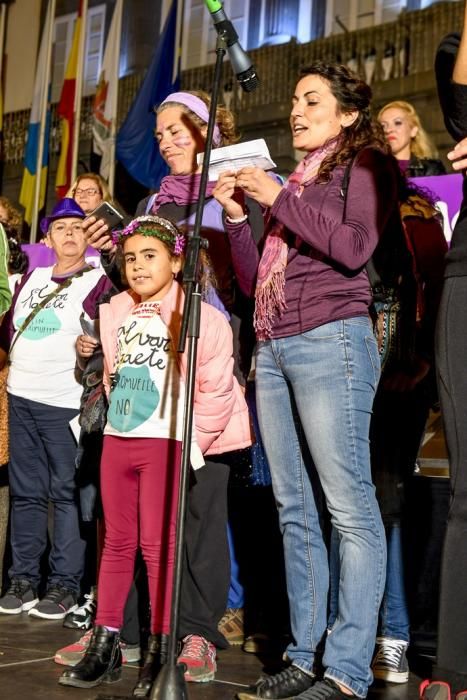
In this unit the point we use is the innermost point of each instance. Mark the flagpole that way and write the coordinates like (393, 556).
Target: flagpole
(114, 105)
(44, 107)
(2, 36)
(179, 38)
(79, 90)
(3, 10)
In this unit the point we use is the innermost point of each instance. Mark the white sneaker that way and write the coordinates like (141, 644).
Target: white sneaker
(83, 617)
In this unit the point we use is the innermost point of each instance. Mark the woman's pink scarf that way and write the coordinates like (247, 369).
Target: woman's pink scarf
(270, 283)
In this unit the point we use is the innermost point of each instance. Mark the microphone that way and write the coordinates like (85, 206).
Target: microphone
(241, 64)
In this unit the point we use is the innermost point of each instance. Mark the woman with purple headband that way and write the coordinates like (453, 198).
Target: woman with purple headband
(145, 380)
(181, 127)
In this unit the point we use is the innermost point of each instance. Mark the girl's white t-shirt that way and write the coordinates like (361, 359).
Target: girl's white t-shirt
(147, 395)
(44, 356)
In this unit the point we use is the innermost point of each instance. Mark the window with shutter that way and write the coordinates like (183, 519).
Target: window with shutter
(94, 49)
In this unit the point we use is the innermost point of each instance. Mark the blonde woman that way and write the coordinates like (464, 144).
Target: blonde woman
(409, 142)
(89, 190)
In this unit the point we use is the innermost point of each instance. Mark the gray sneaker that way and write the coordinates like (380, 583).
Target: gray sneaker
(390, 661)
(56, 603)
(19, 596)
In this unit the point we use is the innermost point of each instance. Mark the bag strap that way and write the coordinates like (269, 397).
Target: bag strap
(345, 182)
(63, 285)
(150, 202)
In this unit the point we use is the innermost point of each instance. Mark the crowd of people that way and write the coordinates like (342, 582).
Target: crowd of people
(317, 327)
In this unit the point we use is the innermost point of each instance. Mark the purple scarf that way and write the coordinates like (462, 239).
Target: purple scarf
(270, 283)
(180, 189)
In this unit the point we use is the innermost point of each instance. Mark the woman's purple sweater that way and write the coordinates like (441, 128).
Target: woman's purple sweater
(325, 277)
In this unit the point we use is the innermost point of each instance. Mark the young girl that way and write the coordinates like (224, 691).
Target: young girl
(145, 380)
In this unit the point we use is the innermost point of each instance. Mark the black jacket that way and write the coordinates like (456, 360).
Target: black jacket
(453, 99)
(423, 167)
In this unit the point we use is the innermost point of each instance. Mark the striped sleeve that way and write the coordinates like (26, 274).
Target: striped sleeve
(5, 294)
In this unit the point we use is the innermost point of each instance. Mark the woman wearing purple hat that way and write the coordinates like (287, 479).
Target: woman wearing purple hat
(38, 340)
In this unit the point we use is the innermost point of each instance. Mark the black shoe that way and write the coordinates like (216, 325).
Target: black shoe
(56, 604)
(102, 662)
(19, 596)
(390, 660)
(286, 684)
(156, 657)
(325, 690)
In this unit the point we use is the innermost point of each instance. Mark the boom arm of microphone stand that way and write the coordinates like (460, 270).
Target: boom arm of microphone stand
(195, 242)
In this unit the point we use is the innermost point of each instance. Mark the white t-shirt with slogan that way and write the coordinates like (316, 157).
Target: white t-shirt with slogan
(147, 394)
(44, 356)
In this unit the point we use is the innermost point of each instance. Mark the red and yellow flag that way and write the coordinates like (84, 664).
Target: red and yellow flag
(66, 112)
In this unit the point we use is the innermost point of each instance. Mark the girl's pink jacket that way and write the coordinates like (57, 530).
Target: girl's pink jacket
(221, 413)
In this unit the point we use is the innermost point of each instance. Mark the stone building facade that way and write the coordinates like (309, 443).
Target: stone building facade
(395, 57)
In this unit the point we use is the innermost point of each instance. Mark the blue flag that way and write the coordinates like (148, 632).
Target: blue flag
(137, 149)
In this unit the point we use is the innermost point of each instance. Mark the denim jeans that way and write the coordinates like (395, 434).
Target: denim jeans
(42, 470)
(394, 615)
(315, 393)
(236, 597)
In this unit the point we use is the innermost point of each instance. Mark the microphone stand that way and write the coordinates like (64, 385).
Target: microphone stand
(170, 683)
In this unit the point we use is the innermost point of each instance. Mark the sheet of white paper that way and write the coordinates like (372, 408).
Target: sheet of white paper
(75, 427)
(239, 155)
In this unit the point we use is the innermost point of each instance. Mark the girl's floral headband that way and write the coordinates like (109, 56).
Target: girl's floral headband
(170, 233)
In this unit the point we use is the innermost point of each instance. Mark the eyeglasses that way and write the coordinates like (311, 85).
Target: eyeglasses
(91, 191)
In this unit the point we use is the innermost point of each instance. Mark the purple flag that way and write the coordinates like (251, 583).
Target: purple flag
(447, 189)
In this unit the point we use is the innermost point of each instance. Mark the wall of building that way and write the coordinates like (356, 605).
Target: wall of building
(22, 38)
(396, 58)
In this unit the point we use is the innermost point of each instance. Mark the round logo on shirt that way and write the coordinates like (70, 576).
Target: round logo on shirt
(44, 324)
(133, 399)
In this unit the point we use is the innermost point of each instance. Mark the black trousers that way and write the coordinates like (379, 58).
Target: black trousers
(451, 354)
(396, 431)
(206, 570)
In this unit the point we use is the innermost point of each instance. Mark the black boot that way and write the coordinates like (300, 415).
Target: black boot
(102, 662)
(156, 657)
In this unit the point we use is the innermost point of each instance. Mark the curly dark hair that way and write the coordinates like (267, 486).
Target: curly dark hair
(352, 95)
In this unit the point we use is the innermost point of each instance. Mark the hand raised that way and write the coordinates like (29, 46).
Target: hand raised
(98, 234)
(258, 185)
(229, 196)
(458, 155)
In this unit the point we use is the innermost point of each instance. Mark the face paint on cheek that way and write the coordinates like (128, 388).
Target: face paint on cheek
(182, 141)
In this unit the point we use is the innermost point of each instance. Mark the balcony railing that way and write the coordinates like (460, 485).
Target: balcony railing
(388, 51)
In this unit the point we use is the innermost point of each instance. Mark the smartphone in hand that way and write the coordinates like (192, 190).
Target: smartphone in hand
(107, 213)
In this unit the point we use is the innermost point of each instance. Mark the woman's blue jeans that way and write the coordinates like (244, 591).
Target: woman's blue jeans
(393, 613)
(315, 393)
